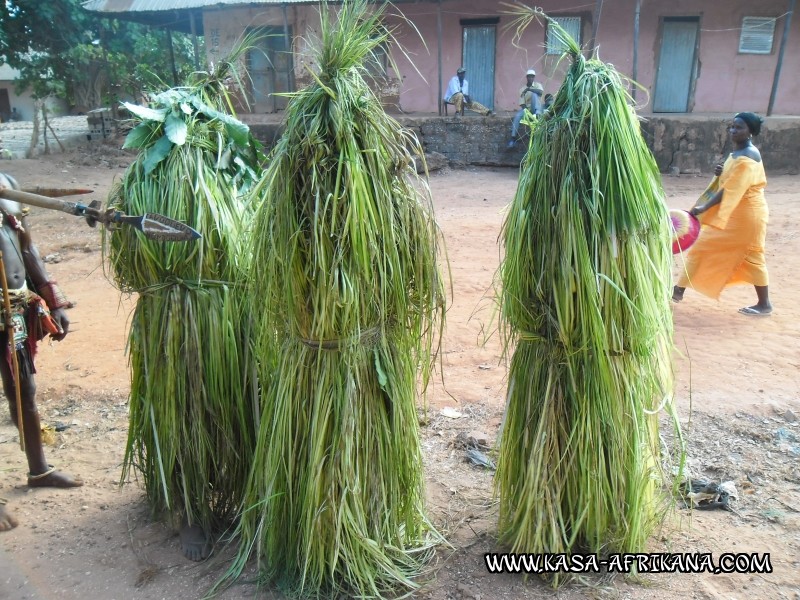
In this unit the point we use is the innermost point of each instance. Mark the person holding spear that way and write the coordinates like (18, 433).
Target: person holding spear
(28, 316)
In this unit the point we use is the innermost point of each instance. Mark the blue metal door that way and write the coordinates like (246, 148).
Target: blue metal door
(478, 60)
(676, 65)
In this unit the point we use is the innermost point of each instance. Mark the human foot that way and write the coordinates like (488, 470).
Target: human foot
(756, 311)
(7, 520)
(53, 478)
(195, 543)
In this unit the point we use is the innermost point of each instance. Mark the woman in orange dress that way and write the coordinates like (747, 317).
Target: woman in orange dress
(730, 248)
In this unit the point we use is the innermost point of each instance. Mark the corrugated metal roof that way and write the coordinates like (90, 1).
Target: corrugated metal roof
(213, 3)
(141, 5)
(245, 2)
(111, 6)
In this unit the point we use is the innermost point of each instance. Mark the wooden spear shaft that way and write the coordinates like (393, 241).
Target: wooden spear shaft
(9, 319)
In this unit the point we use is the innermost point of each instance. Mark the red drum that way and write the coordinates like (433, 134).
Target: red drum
(685, 229)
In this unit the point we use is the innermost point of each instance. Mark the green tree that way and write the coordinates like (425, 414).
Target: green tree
(36, 37)
(62, 50)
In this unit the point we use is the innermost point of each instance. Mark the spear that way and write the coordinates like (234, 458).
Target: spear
(56, 192)
(153, 225)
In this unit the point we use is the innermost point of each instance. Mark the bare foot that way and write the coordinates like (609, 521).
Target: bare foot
(7, 520)
(54, 478)
(195, 543)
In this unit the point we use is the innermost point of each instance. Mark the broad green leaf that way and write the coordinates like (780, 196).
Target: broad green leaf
(145, 113)
(156, 153)
(176, 129)
(238, 131)
(138, 136)
(168, 97)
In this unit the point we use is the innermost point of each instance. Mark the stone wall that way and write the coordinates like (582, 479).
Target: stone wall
(681, 144)
(468, 140)
(694, 144)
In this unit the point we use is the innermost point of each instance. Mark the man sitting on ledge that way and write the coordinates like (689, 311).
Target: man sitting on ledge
(458, 94)
(530, 100)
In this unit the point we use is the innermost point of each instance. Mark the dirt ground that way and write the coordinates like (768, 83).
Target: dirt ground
(737, 392)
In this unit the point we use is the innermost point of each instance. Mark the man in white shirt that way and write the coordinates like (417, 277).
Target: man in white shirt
(458, 94)
(530, 98)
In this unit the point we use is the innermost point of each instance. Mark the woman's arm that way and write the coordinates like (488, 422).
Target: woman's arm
(715, 199)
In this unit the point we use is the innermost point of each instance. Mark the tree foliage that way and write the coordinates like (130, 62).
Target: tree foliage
(62, 50)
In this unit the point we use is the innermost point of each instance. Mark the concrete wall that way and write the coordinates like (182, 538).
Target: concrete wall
(682, 144)
(24, 102)
(691, 144)
(726, 81)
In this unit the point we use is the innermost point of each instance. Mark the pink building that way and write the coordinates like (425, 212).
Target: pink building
(699, 56)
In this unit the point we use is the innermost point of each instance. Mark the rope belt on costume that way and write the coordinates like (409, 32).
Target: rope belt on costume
(529, 336)
(193, 285)
(368, 337)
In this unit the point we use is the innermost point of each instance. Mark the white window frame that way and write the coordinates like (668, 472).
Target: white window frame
(554, 46)
(757, 35)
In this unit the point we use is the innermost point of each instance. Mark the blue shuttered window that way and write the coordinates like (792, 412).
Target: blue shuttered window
(572, 25)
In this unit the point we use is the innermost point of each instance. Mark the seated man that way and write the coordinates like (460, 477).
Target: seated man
(530, 98)
(458, 93)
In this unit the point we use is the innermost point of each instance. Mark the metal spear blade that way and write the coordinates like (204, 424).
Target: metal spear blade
(158, 227)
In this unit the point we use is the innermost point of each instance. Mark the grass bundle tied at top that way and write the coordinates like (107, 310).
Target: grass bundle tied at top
(585, 307)
(193, 398)
(345, 268)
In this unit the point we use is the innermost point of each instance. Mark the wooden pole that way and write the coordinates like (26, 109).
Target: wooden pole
(107, 66)
(194, 41)
(286, 40)
(44, 129)
(635, 70)
(60, 145)
(42, 201)
(439, 50)
(172, 57)
(52, 192)
(12, 346)
(598, 8)
(787, 21)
